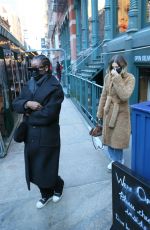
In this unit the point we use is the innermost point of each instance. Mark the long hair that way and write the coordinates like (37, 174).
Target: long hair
(119, 59)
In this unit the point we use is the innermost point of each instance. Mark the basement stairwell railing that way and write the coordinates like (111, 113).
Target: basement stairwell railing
(83, 92)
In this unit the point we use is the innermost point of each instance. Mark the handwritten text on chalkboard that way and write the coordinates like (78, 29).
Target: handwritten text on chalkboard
(131, 200)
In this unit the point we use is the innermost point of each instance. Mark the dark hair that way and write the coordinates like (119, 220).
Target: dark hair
(119, 59)
(44, 61)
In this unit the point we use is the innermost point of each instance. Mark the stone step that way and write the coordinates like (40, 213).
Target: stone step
(97, 59)
(96, 62)
(84, 75)
(91, 66)
(88, 71)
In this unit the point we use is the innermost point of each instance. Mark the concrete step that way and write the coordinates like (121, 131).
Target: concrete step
(91, 71)
(93, 66)
(96, 62)
(84, 75)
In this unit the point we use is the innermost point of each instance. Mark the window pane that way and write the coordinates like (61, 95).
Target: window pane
(148, 11)
(123, 9)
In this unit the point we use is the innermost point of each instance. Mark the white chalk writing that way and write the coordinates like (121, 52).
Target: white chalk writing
(132, 210)
(143, 215)
(127, 228)
(123, 197)
(123, 184)
(119, 220)
(136, 219)
(142, 195)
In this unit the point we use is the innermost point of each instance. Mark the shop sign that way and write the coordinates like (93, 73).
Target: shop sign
(131, 200)
(142, 58)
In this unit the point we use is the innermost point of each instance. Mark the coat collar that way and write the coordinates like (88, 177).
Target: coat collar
(48, 77)
(46, 85)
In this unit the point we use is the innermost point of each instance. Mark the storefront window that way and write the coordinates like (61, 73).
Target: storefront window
(148, 11)
(123, 9)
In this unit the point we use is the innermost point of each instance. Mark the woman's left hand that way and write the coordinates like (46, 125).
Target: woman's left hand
(114, 72)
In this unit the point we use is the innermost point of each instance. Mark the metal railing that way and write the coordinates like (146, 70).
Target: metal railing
(86, 95)
(83, 92)
(77, 65)
(86, 56)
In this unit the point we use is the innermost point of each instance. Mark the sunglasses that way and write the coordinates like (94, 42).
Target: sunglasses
(35, 68)
(41, 67)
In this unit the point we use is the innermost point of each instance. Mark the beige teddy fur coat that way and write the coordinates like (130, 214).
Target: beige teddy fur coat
(114, 109)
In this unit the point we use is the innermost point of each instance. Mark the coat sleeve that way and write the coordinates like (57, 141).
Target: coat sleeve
(102, 101)
(50, 111)
(19, 102)
(125, 88)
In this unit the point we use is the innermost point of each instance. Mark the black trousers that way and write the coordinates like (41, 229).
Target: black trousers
(58, 188)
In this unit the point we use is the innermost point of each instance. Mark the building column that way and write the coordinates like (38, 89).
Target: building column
(108, 25)
(95, 22)
(133, 16)
(62, 37)
(72, 27)
(95, 29)
(78, 25)
(132, 27)
(85, 27)
(66, 38)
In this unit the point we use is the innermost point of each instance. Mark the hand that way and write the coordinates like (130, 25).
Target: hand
(34, 105)
(114, 72)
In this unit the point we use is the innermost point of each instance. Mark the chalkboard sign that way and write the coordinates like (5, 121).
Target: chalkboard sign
(130, 200)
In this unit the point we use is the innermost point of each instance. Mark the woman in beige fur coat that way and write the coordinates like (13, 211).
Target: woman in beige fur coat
(114, 110)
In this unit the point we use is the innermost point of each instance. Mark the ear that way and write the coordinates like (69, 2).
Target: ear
(46, 68)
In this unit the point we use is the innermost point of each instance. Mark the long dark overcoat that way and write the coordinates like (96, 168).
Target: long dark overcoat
(42, 146)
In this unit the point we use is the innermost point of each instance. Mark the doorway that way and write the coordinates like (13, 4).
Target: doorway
(144, 84)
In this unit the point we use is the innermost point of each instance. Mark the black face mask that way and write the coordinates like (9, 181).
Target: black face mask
(118, 69)
(35, 73)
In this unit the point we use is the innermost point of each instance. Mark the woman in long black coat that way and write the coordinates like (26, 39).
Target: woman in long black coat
(40, 102)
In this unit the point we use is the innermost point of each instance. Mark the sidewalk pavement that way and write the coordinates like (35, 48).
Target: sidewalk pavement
(87, 197)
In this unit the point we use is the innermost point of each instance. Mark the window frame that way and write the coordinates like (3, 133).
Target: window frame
(115, 29)
(143, 8)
